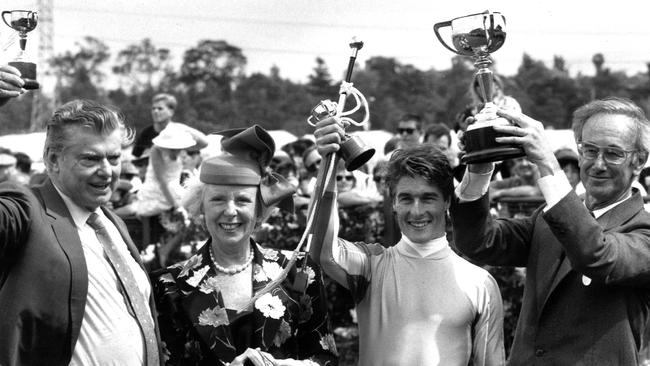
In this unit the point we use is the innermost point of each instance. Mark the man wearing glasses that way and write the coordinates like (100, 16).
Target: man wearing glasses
(587, 296)
(409, 128)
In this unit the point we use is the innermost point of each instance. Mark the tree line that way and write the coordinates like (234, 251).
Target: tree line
(215, 93)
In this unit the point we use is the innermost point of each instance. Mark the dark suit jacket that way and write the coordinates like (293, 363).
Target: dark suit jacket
(587, 293)
(43, 276)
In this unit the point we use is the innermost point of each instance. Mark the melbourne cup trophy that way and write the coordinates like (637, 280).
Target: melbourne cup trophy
(23, 21)
(479, 35)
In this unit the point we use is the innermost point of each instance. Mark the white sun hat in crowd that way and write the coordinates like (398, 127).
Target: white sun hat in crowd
(174, 137)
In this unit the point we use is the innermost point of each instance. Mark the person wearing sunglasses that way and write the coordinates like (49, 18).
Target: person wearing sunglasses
(409, 128)
(586, 300)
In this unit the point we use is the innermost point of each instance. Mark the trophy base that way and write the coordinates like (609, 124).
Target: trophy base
(27, 73)
(481, 147)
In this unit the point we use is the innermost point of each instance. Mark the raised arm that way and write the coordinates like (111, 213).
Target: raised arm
(325, 235)
(15, 207)
(199, 137)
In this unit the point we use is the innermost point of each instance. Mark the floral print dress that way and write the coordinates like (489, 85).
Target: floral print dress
(291, 321)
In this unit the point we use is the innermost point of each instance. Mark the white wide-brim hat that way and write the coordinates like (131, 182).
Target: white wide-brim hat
(173, 137)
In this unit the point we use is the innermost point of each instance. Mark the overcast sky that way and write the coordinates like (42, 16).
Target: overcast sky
(292, 33)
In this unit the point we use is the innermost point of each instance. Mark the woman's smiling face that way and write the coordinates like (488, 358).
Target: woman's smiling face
(230, 213)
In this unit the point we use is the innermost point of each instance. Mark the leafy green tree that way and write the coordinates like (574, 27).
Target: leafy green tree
(550, 95)
(320, 84)
(142, 66)
(213, 62)
(273, 102)
(15, 115)
(78, 74)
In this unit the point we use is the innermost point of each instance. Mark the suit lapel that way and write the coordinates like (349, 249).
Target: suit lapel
(68, 239)
(551, 265)
(611, 219)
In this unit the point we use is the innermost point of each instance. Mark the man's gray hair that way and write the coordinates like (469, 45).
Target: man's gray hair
(615, 105)
(99, 118)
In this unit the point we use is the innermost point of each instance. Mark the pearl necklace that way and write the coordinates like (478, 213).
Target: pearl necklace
(234, 269)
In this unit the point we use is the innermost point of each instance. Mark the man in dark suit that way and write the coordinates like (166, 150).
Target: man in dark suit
(72, 287)
(587, 294)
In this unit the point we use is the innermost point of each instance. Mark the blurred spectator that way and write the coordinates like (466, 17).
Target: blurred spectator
(386, 228)
(191, 159)
(297, 149)
(379, 177)
(141, 164)
(23, 168)
(349, 191)
(131, 173)
(311, 160)
(568, 160)
(284, 165)
(163, 106)
(409, 128)
(162, 190)
(439, 135)
(523, 181)
(121, 194)
(391, 145)
(7, 167)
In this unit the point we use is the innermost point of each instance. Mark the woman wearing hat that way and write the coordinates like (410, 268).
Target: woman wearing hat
(235, 302)
(162, 189)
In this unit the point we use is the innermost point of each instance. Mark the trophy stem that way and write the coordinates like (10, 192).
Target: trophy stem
(485, 79)
(23, 43)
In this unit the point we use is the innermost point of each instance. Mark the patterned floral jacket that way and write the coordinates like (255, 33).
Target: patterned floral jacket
(288, 322)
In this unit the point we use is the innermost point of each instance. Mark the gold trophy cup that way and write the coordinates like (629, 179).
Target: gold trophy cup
(23, 22)
(479, 35)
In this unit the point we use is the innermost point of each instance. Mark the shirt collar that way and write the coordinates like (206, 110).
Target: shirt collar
(430, 247)
(601, 211)
(79, 214)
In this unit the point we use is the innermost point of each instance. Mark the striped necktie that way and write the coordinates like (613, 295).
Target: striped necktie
(134, 297)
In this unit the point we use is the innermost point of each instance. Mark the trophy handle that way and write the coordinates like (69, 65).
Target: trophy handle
(4, 19)
(435, 30)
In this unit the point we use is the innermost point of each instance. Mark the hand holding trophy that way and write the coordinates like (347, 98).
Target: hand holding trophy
(23, 22)
(479, 35)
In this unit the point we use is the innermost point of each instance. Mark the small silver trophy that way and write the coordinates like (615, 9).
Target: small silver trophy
(23, 22)
(479, 35)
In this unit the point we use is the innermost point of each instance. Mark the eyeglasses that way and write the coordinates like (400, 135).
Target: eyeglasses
(346, 177)
(408, 131)
(378, 178)
(611, 155)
